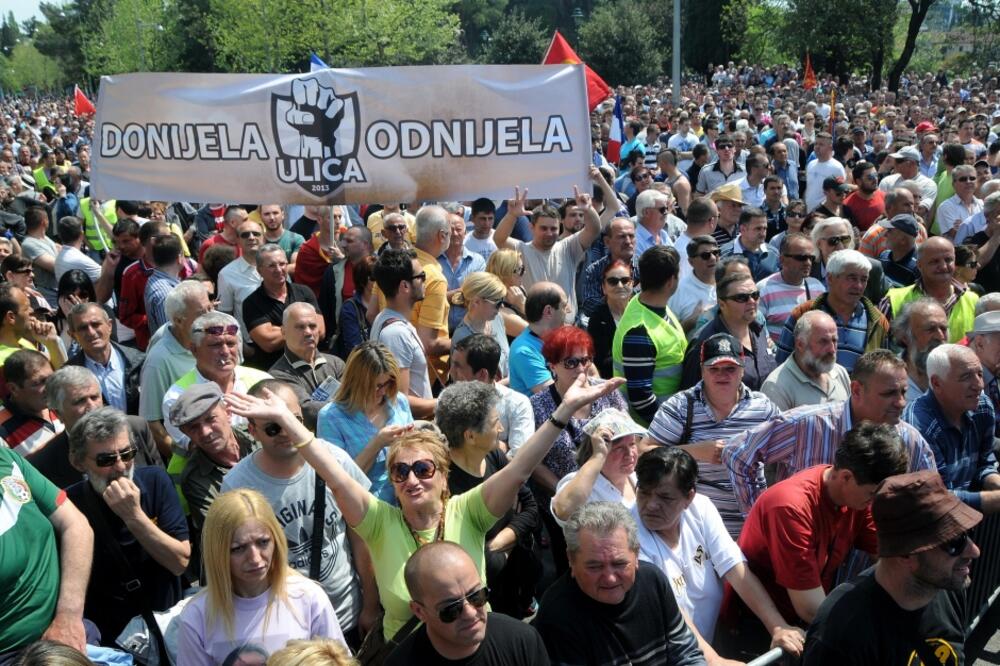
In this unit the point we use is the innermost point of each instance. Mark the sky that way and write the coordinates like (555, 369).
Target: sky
(23, 9)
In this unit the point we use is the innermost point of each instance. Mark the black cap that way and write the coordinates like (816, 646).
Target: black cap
(721, 348)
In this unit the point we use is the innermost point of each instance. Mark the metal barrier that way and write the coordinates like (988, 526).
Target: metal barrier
(985, 571)
(772, 656)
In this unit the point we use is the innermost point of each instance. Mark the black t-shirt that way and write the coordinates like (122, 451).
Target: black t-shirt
(304, 227)
(989, 274)
(259, 308)
(859, 623)
(507, 643)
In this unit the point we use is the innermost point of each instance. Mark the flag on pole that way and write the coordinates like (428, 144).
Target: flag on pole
(561, 53)
(316, 63)
(833, 112)
(81, 105)
(616, 135)
(809, 77)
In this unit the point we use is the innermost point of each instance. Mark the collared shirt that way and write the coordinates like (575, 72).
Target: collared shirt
(964, 455)
(469, 262)
(320, 381)
(801, 438)
(789, 175)
(110, 377)
(432, 311)
(787, 386)
(929, 168)
(26, 433)
(957, 291)
(778, 299)
(236, 281)
(952, 212)
(202, 477)
(900, 272)
(516, 417)
(711, 177)
(775, 222)
(644, 239)
(763, 262)
(158, 287)
(752, 195)
(166, 362)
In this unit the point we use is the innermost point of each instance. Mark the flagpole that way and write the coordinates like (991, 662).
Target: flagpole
(677, 54)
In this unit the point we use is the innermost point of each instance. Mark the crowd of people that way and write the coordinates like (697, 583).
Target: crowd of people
(669, 418)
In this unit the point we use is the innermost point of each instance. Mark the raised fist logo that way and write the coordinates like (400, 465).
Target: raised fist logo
(308, 124)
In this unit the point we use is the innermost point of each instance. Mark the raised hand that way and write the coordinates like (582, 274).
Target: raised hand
(581, 393)
(516, 206)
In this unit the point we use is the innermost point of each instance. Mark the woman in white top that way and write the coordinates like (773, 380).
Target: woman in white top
(682, 533)
(481, 296)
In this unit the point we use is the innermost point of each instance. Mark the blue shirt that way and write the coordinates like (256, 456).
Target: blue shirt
(590, 293)
(110, 377)
(470, 262)
(644, 239)
(852, 336)
(762, 263)
(158, 288)
(899, 273)
(527, 365)
(789, 175)
(964, 456)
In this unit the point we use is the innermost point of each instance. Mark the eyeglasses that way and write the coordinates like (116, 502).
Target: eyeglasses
(250, 234)
(395, 227)
(273, 429)
(228, 329)
(422, 469)
(574, 362)
(495, 304)
(726, 146)
(109, 459)
(477, 599)
(966, 179)
(791, 214)
(956, 546)
(800, 257)
(743, 298)
(419, 276)
(663, 209)
(838, 240)
(705, 256)
(618, 281)
(384, 385)
(24, 271)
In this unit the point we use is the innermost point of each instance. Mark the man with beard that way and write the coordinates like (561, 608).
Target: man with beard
(139, 509)
(273, 217)
(811, 375)
(920, 327)
(867, 203)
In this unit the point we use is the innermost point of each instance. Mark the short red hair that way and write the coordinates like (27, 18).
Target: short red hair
(559, 343)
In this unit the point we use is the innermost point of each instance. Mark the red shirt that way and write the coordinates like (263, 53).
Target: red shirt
(220, 240)
(311, 264)
(795, 538)
(866, 211)
(132, 308)
(348, 291)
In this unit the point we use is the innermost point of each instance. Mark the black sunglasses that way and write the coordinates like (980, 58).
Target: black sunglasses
(966, 179)
(800, 257)
(422, 469)
(228, 329)
(956, 546)
(396, 227)
(708, 254)
(618, 281)
(250, 234)
(273, 429)
(744, 298)
(663, 209)
(574, 362)
(109, 459)
(477, 599)
(838, 240)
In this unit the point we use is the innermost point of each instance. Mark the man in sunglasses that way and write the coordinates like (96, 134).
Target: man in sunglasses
(240, 278)
(960, 206)
(449, 598)
(651, 211)
(139, 507)
(696, 290)
(724, 170)
(791, 286)
(904, 609)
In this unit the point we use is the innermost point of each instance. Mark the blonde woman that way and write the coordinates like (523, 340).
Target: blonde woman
(253, 602)
(481, 296)
(312, 653)
(367, 412)
(508, 265)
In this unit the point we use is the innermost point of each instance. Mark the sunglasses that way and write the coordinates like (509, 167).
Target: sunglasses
(419, 276)
(724, 147)
(791, 214)
(971, 264)
(744, 298)
(709, 254)
(618, 281)
(663, 209)
(477, 599)
(642, 176)
(574, 362)
(519, 270)
(400, 228)
(422, 469)
(109, 459)
(966, 179)
(25, 271)
(250, 234)
(273, 429)
(800, 257)
(228, 329)
(956, 546)
(838, 240)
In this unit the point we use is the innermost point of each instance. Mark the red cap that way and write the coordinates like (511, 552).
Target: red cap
(926, 126)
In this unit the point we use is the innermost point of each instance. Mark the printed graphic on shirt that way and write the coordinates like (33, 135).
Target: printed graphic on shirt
(941, 648)
(15, 494)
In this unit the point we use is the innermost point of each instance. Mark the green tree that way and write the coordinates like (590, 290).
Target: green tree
(702, 42)
(30, 68)
(918, 12)
(196, 52)
(132, 36)
(516, 39)
(619, 42)
(10, 34)
(753, 29)
(479, 19)
(61, 35)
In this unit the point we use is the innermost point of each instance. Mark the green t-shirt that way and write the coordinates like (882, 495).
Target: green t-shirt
(29, 561)
(467, 520)
(290, 242)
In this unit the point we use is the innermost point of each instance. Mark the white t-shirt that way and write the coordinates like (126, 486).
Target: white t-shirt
(928, 188)
(816, 173)
(690, 292)
(555, 265)
(603, 491)
(704, 554)
(402, 340)
(69, 258)
(484, 247)
(952, 213)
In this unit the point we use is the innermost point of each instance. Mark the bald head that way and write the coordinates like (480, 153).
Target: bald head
(432, 561)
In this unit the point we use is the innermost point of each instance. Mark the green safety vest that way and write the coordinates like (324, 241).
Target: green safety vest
(961, 319)
(92, 230)
(41, 180)
(668, 338)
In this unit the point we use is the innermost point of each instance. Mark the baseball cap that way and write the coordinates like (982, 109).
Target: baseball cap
(925, 126)
(858, 130)
(721, 348)
(914, 513)
(727, 192)
(906, 153)
(905, 223)
(836, 184)
(988, 322)
(194, 403)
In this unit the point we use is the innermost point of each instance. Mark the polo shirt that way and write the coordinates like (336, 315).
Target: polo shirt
(259, 308)
(711, 177)
(763, 262)
(778, 299)
(166, 361)
(787, 386)
(320, 380)
(235, 283)
(26, 433)
(644, 239)
(202, 477)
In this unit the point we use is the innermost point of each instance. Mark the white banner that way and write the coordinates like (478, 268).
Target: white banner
(378, 135)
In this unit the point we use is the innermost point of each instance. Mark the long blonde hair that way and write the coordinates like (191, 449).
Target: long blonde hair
(503, 263)
(482, 285)
(228, 512)
(364, 364)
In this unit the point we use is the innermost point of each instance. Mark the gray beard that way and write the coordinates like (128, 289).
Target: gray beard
(100, 485)
(816, 365)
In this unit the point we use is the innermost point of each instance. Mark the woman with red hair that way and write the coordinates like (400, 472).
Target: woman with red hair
(569, 352)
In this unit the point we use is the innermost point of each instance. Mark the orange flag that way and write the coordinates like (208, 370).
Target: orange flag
(561, 53)
(809, 77)
(81, 105)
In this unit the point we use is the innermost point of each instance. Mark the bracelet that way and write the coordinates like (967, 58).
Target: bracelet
(556, 422)
(304, 444)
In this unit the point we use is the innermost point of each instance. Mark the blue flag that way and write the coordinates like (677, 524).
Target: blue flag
(316, 64)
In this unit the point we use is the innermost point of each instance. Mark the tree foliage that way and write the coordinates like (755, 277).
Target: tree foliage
(133, 36)
(61, 35)
(28, 68)
(479, 19)
(754, 30)
(619, 43)
(10, 34)
(516, 39)
(702, 41)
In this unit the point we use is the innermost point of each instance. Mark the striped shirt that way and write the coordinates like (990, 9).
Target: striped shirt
(801, 438)
(778, 299)
(158, 287)
(852, 335)
(714, 482)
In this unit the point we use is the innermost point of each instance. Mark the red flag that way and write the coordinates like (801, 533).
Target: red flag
(561, 53)
(809, 78)
(81, 105)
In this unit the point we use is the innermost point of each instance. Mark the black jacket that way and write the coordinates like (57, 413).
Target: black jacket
(133, 369)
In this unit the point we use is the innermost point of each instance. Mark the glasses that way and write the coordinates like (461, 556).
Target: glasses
(705, 256)
(800, 257)
(642, 176)
(273, 429)
(956, 546)
(966, 179)
(228, 329)
(250, 234)
(495, 304)
(384, 385)
(724, 146)
(477, 599)
(791, 214)
(618, 281)
(743, 298)
(663, 209)
(419, 276)
(422, 469)
(574, 362)
(400, 228)
(838, 240)
(109, 459)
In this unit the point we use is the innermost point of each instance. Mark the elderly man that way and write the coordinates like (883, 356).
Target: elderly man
(988, 240)
(301, 363)
(396, 232)
(907, 168)
(809, 436)
(899, 261)
(611, 608)
(27, 424)
(984, 339)
(457, 262)
(936, 263)
(620, 239)
(921, 326)
(860, 325)
(908, 608)
(651, 210)
(785, 290)
(117, 368)
(751, 244)
(811, 375)
(834, 234)
(729, 201)
(264, 306)
(142, 535)
(283, 477)
(546, 308)
(215, 446)
(958, 420)
(962, 205)
(449, 599)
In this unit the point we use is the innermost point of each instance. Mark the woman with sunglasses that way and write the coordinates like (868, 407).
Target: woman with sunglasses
(418, 467)
(481, 296)
(616, 285)
(75, 287)
(17, 270)
(367, 412)
(252, 600)
(795, 217)
(508, 265)
(967, 267)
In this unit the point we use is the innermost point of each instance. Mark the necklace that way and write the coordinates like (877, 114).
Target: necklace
(438, 533)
